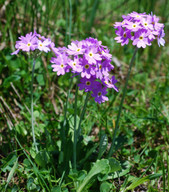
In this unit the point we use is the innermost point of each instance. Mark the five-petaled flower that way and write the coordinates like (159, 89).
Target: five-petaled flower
(33, 41)
(140, 28)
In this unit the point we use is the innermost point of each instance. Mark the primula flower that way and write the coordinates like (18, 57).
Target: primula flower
(160, 39)
(32, 41)
(99, 94)
(60, 64)
(76, 67)
(92, 56)
(88, 70)
(88, 84)
(123, 36)
(140, 28)
(89, 59)
(44, 46)
(75, 48)
(141, 39)
(110, 83)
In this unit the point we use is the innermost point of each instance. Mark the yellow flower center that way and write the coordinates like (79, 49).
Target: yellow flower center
(90, 54)
(88, 83)
(28, 44)
(74, 64)
(100, 66)
(78, 49)
(124, 35)
(99, 93)
(141, 37)
(40, 44)
(87, 66)
(134, 25)
(61, 65)
(145, 24)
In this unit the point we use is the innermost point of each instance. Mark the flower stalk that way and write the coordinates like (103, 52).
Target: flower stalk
(111, 151)
(75, 129)
(32, 116)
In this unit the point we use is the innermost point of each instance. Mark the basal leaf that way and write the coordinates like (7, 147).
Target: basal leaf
(103, 145)
(101, 166)
(114, 165)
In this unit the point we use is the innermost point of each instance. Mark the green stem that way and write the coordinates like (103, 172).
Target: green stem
(66, 104)
(70, 20)
(121, 104)
(82, 114)
(75, 131)
(32, 116)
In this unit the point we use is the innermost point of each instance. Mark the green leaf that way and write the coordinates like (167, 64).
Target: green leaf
(9, 161)
(37, 65)
(105, 187)
(125, 168)
(138, 182)
(42, 158)
(10, 79)
(30, 184)
(56, 189)
(101, 166)
(102, 177)
(103, 145)
(114, 164)
(40, 79)
(20, 128)
(36, 114)
(27, 164)
(77, 175)
(14, 189)
(11, 173)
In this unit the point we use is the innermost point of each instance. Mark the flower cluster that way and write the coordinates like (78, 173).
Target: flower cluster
(141, 28)
(92, 61)
(32, 42)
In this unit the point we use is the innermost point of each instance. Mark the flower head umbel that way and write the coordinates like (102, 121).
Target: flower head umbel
(89, 59)
(33, 41)
(140, 28)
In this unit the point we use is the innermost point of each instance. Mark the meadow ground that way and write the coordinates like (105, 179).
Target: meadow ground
(139, 161)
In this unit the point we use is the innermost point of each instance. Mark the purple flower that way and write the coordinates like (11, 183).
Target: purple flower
(88, 84)
(133, 26)
(105, 53)
(140, 28)
(44, 46)
(141, 39)
(160, 39)
(109, 83)
(27, 43)
(137, 16)
(75, 65)
(123, 36)
(60, 64)
(92, 56)
(99, 94)
(103, 69)
(75, 48)
(89, 59)
(88, 70)
(31, 42)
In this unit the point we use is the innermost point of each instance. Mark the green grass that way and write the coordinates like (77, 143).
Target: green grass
(142, 145)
